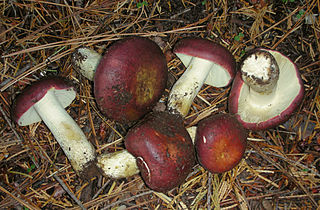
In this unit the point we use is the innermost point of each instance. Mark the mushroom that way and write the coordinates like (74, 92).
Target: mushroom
(86, 60)
(130, 79)
(206, 62)
(45, 101)
(163, 149)
(266, 90)
(220, 142)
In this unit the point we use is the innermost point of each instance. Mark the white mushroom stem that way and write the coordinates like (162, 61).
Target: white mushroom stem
(260, 72)
(66, 131)
(188, 85)
(260, 99)
(122, 164)
(86, 60)
(118, 165)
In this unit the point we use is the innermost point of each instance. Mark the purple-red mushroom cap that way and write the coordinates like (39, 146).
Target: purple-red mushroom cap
(206, 62)
(163, 149)
(258, 110)
(220, 142)
(130, 79)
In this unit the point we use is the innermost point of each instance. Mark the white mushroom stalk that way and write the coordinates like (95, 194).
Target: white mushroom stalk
(117, 165)
(66, 131)
(86, 60)
(188, 85)
(260, 72)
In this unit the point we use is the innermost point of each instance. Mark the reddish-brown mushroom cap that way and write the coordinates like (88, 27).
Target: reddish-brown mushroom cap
(258, 111)
(23, 112)
(220, 142)
(130, 79)
(163, 148)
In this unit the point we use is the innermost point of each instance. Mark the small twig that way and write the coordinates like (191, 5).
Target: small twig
(100, 190)
(63, 185)
(243, 193)
(71, 194)
(209, 191)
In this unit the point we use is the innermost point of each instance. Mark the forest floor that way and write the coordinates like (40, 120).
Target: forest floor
(281, 166)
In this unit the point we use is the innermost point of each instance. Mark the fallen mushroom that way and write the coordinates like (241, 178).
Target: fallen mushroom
(206, 62)
(45, 101)
(86, 60)
(159, 147)
(163, 149)
(266, 90)
(130, 79)
(220, 142)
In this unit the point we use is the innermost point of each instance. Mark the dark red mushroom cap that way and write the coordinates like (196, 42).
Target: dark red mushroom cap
(220, 142)
(267, 110)
(190, 47)
(23, 112)
(130, 79)
(163, 148)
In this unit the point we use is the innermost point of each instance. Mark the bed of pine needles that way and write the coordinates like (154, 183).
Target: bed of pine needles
(281, 167)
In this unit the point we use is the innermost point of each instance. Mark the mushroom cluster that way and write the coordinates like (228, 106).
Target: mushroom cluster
(128, 81)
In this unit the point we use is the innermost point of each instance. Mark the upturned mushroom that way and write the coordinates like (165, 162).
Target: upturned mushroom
(45, 101)
(206, 62)
(163, 149)
(220, 142)
(130, 79)
(266, 91)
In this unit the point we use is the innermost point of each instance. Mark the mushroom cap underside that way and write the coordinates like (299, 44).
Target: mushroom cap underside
(262, 114)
